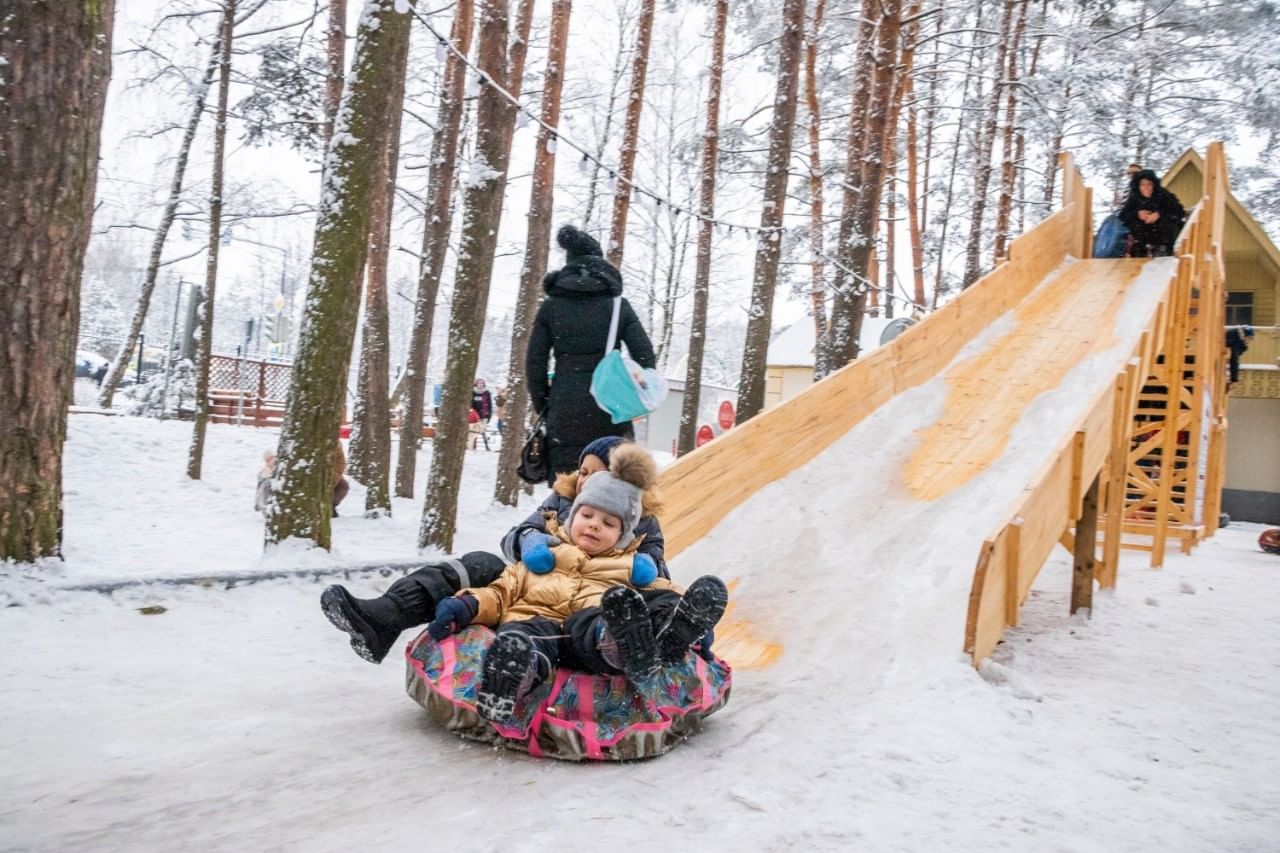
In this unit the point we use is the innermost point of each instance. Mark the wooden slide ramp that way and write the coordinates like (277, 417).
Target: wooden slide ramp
(1057, 325)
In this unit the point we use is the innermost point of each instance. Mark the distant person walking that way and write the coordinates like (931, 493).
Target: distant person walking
(1153, 215)
(482, 409)
(573, 326)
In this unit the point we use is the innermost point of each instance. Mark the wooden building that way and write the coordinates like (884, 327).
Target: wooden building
(1252, 266)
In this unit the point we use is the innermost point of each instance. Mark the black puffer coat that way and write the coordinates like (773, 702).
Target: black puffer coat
(1164, 231)
(572, 325)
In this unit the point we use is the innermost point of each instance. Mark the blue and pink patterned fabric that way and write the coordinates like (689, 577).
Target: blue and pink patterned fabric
(574, 715)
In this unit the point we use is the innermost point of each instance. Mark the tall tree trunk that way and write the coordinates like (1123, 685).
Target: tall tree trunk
(335, 61)
(817, 264)
(849, 303)
(1004, 207)
(195, 456)
(902, 77)
(769, 243)
(856, 141)
(537, 244)
(57, 61)
(630, 133)
(982, 165)
(370, 448)
(939, 284)
(706, 230)
(915, 212)
(306, 459)
(121, 362)
(615, 79)
(1020, 143)
(437, 223)
(481, 217)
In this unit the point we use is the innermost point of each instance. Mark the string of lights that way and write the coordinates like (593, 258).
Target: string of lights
(556, 136)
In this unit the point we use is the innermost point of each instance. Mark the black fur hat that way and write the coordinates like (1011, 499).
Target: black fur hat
(577, 244)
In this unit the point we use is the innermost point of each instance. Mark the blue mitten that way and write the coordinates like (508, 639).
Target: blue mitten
(705, 647)
(643, 570)
(452, 615)
(535, 552)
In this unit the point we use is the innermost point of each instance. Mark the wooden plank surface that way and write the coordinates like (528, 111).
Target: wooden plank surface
(989, 393)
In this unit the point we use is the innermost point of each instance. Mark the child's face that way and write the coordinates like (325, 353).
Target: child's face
(590, 465)
(595, 531)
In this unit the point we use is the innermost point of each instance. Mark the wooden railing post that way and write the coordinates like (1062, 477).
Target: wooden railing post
(262, 393)
(1086, 546)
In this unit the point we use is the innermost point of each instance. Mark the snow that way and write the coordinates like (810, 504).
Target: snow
(239, 715)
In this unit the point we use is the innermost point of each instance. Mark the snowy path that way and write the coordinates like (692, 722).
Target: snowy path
(239, 720)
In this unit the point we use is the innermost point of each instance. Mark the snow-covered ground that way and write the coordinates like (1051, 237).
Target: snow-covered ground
(238, 719)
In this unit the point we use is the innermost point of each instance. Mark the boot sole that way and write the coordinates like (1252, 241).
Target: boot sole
(505, 666)
(699, 610)
(627, 619)
(336, 604)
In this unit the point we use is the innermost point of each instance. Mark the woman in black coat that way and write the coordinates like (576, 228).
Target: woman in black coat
(572, 325)
(1153, 215)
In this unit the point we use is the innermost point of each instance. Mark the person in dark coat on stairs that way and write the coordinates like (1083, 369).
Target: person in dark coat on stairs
(1153, 215)
(573, 326)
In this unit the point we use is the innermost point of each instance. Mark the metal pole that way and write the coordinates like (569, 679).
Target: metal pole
(239, 390)
(169, 353)
(137, 376)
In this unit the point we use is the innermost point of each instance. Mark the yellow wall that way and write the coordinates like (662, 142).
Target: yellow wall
(1253, 445)
(783, 383)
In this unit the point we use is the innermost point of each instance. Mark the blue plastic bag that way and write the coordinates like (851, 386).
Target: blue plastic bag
(1110, 240)
(621, 387)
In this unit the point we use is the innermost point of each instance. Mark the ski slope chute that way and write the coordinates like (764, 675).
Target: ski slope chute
(1093, 336)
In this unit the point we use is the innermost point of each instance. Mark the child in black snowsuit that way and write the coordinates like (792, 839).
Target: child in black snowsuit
(585, 610)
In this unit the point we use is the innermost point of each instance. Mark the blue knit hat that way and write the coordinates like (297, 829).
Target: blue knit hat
(600, 448)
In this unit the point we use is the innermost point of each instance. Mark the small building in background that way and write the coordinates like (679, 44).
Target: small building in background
(1252, 266)
(790, 361)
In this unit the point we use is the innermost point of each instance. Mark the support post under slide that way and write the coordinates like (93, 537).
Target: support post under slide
(1086, 544)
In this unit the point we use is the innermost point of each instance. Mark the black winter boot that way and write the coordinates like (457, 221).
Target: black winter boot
(629, 632)
(510, 670)
(375, 623)
(700, 608)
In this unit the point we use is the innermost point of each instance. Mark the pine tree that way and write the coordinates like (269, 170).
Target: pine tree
(537, 245)
(369, 457)
(856, 253)
(204, 353)
(309, 438)
(482, 214)
(706, 228)
(437, 223)
(769, 244)
(53, 55)
(630, 134)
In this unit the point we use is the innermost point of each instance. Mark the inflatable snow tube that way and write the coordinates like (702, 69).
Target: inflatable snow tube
(573, 716)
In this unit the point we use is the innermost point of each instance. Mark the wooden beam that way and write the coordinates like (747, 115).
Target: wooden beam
(1086, 547)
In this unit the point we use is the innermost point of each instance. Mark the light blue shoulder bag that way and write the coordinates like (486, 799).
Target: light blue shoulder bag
(621, 387)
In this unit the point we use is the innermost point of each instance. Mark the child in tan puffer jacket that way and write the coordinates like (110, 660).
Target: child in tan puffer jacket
(587, 611)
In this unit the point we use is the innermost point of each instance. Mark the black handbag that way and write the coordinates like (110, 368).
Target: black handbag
(533, 457)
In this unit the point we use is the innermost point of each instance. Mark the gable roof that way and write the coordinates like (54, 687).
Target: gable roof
(1190, 158)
